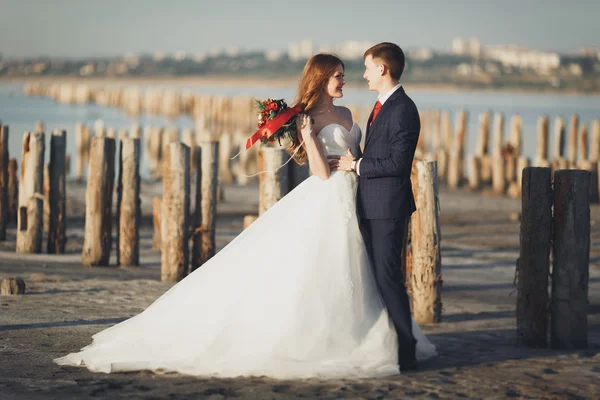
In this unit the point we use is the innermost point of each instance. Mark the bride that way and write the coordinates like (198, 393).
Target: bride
(292, 296)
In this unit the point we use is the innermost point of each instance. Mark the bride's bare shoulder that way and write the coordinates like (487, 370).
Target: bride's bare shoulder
(345, 113)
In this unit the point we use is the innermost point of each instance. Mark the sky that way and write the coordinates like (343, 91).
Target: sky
(83, 28)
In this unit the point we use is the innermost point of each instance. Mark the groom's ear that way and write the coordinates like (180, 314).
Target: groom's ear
(383, 69)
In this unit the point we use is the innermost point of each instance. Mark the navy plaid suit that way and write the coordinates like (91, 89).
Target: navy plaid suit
(385, 202)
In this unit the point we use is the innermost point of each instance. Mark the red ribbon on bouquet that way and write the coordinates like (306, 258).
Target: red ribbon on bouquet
(273, 125)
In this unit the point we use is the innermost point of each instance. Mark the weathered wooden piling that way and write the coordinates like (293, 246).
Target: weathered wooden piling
(571, 258)
(474, 172)
(541, 155)
(595, 141)
(582, 145)
(207, 182)
(274, 183)
(97, 240)
(533, 265)
(426, 268)
(156, 217)
(573, 130)
(130, 206)
(4, 157)
(175, 214)
(12, 286)
(13, 190)
(559, 143)
(31, 194)
(57, 196)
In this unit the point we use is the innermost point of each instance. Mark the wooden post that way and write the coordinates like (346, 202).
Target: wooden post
(275, 181)
(4, 157)
(446, 138)
(592, 167)
(175, 210)
(57, 196)
(474, 173)
(515, 138)
(498, 134)
(499, 177)
(130, 210)
(99, 130)
(573, 127)
(248, 220)
(189, 139)
(154, 150)
(31, 197)
(207, 181)
(571, 260)
(533, 264)
(225, 175)
(39, 127)
(483, 135)
(582, 145)
(426, 268)
(559, 141)
(119, 196)
(522, 163)
(595, 142)
(446, 127)
(12, 286)
(13, 190)
(436, 136)
(510, 168)
(442, 159)
(541, 156)
(97, 239)
(296, 174)
(156, 216)
(46, 227)
(82, 147)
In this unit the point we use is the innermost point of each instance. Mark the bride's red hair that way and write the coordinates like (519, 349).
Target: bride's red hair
(313, 84)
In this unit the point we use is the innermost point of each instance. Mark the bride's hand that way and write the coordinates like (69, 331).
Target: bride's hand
(305, 126)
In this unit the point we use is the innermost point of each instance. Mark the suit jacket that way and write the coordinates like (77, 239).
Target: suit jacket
(384, 187)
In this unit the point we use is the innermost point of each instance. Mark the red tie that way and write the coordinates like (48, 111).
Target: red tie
(376, 111)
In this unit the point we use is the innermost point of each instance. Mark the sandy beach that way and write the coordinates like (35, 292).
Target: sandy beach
(66, 303)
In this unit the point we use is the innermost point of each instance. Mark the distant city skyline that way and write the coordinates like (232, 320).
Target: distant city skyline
(81, 28)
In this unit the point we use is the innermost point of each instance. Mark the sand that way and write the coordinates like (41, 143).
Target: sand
(65, 304)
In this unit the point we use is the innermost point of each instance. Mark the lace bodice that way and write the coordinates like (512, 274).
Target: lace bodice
(335, 139)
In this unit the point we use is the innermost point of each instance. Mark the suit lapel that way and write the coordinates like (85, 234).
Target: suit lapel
(381, 113)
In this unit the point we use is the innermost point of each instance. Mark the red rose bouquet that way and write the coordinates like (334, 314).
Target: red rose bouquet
(275, 121)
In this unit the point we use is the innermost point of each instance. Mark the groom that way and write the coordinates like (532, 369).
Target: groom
(385, 200)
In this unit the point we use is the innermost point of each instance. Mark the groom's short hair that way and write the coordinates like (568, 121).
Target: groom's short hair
(390, 55)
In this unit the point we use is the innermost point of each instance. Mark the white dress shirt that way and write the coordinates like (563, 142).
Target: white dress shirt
(382, 99)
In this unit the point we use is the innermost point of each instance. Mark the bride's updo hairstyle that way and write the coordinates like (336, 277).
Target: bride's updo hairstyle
(313, 84)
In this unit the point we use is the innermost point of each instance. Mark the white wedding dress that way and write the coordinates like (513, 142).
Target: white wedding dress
(292, 296)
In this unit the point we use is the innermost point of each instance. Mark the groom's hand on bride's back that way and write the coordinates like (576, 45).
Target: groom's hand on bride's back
(342, 163)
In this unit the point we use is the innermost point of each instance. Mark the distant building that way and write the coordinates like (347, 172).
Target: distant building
(233, 51)
(301, 50)
(348, 50)
(420, 54)
(158, 56)
(200, 57)
(215, 52)
(180, 55)
(523, 58)
(87, 69)
(466, 47)
(273, 55)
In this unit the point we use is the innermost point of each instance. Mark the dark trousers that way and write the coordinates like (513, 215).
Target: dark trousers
(384, 239)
